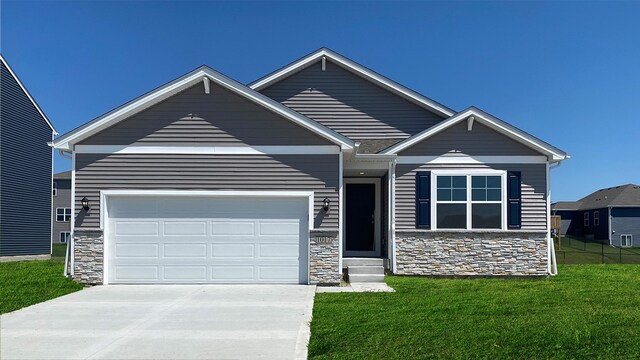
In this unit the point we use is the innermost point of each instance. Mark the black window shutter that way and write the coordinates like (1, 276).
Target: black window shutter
(514, 199)
(423, 199)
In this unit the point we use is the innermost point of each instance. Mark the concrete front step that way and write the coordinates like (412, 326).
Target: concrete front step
(366, 270)
(369, 278)
(347, 262)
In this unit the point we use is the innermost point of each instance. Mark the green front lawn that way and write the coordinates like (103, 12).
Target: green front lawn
(586, 312)
(25, 283)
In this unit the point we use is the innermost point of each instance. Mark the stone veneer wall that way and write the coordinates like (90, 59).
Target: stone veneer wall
(88, 256)
(324, 257)
(471, 253)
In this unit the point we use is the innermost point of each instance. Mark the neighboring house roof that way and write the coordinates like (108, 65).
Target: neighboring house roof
(357, 69)
(65, 175)
(492, 122)
(24, 89)
(373, 146)
(66, 141)
(566, 205)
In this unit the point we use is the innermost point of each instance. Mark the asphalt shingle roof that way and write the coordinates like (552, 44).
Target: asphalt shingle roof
(623, 195)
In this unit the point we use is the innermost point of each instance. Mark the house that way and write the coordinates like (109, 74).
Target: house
(25, 172)
(61, 215)
(611, 215)
(319, 169)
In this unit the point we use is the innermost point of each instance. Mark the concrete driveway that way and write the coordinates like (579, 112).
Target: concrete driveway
(163, 322)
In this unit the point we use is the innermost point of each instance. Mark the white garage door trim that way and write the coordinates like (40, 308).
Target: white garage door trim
(105, 195)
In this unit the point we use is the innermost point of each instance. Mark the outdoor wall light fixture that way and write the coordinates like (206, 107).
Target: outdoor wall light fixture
(325, 204)
(85, 203)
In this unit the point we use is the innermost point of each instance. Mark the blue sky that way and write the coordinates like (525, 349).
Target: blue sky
(567, 72)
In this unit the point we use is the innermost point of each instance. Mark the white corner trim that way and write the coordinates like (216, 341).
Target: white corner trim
(24, 89)
(340, 209)
(493, 123)
(68, 140)
(472, 159)
(213, 150)
(351, 65)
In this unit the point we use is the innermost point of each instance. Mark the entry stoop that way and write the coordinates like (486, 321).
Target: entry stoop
(360, 270)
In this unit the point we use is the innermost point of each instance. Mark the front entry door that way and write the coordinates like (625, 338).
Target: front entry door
(361, 219)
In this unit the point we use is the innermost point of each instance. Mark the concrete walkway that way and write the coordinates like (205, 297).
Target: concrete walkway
(163, 322)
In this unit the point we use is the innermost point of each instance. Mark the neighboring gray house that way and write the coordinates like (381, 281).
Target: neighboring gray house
(611, 215)
(25, 171)
(321, 168)
(61, 215)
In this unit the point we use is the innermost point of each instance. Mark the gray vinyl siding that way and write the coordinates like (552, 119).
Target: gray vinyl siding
(625, 221)
(61, 200)
(195, 118)
(25, 173)
(349, 104)
(480, 141)
(318, 173)
(534, 202)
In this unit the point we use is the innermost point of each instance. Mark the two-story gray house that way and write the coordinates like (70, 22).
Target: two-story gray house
(319, 169)
(25, 171)
(61, 215)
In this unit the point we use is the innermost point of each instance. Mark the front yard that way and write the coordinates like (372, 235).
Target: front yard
(586, 312)
(25, 283)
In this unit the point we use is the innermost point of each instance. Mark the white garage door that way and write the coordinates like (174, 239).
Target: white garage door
(207, 240)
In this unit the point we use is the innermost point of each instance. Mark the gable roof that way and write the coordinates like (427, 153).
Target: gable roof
(24, 89)
(66, 141)
(356, 68)
(64, 175)
(566, 205)
(492, 122)
(622, 195)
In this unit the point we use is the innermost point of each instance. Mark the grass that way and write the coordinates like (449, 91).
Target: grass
(24, 283)
(586, 312)
(575, 250)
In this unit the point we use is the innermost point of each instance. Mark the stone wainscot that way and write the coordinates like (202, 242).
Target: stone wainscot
(324, 257)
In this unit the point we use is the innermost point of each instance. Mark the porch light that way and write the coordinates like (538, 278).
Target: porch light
(325, 204)
(85, 203)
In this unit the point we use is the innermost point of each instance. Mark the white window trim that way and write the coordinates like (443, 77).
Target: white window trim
(55, 188)
(630, 237)
(585, 221)
(469, 173)
(68, 237)
(596, 218)
(64, 214)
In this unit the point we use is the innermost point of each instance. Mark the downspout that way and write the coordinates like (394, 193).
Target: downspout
(66, 252)
(552, 266)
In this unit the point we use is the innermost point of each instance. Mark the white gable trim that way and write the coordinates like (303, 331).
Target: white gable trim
(24, 89)
(354, 67)
(492, 122)
(67, 141)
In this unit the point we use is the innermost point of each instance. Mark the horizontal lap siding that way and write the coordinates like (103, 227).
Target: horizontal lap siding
(534, 202)
(218, 118)
(25, 173)
(349, 104)
(318, 173)
(481, 141)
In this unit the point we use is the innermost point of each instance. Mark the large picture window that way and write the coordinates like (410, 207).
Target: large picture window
(469, 201)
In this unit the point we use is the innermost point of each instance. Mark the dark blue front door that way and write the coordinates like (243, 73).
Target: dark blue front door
(360, 209)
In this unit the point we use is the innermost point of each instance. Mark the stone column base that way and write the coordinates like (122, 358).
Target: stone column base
(88, 256)
(324, 257)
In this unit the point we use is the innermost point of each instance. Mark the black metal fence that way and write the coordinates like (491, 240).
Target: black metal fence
(572, 250)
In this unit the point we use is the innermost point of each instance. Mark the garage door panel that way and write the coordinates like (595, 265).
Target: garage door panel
(185, 250)
(218, 240)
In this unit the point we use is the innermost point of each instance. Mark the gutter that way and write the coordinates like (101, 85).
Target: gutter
(551, 253)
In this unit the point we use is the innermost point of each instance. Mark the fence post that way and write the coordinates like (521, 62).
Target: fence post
(620, 248)
(602, 251)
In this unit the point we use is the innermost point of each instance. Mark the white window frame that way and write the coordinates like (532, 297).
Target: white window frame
(66, 238)
(65, 214)
(469, 173)
(55, 188)
(586, 219)
(627, 236)
(596, 218)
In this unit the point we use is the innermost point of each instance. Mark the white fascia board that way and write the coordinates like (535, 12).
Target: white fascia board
(24, 89)
(472, 159)
(486, 119)
(208, 150)
(358, 69)
(68, 140)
